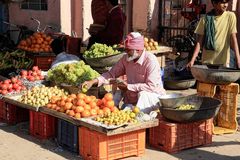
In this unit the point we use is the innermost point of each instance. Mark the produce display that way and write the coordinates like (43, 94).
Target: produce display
(82, 106)
(100, 50)
(11, 85)
(37, 43)
(117, 118)
(41, 95)
(150, 44)
(11, 61)
(185, 107)
(32, 75)
(72, 74)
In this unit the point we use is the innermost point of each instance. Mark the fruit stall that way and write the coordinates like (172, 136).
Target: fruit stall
(86, 121)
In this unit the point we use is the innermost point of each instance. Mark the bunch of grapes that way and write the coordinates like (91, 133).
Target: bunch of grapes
(72, 74)
(100, 50)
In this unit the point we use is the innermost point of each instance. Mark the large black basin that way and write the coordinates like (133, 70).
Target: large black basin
(215, 74)
(205, 108)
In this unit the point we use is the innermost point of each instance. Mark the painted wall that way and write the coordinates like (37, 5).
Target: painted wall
(22, 17)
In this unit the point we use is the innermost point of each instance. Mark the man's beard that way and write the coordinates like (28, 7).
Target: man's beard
(133, 57)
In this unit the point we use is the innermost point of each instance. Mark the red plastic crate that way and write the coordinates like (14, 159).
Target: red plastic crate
(12, 114)
(97, 146)
(42, 126)
(174, 137)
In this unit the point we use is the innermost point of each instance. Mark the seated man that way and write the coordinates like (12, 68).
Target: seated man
(144, 84)
(58, 46)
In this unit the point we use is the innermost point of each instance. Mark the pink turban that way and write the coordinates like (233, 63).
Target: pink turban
(134, 40)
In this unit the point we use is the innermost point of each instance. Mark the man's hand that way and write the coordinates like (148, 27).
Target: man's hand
(190, 64)
(88, 84)
(122, 86)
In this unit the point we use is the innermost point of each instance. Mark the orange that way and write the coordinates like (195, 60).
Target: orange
(80, 103)
(81, 96)
(109, 104)
(68, 105)
(87, 99)
(87, 107)
(79, 109)
(100, 112)
(85, 113)
(106, 110)
(93, 104)
(71, 113)
(77, 115)
(108, 96)
(114, 109)
(93, 112)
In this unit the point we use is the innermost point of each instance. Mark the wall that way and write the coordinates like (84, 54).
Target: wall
(145, 17)
(22, 17)
(77, 17)
(87, 19)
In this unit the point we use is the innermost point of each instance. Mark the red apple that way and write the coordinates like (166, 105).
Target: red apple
(4, 86)
(4, 92)
(14, 79)
(24, 73)
(35, 68)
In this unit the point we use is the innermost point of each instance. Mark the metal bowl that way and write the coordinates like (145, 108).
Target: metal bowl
(179, 83)
(215, 75)
(205, 108)
(107, 61)
(171, 100)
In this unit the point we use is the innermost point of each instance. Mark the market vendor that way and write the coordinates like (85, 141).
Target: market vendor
(58, 46)
(144, 84)
(217, 33)
(114, 26)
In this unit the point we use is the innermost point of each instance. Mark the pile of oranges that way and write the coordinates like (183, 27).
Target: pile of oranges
(82, 106)
(150, 44)
(37, 43)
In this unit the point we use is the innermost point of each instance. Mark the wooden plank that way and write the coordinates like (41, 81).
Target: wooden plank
(121, 130)
(13, 100)
(60, 115)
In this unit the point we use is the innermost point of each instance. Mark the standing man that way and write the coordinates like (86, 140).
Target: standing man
(114, 26)
(144, 84)
(217, 33)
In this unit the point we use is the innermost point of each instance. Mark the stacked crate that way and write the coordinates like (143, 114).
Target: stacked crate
(174, 137)
(98, 146)
(42, 126)
(67, 136)
(226, 119)
(12, 114)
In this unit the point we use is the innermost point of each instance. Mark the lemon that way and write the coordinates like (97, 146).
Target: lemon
(84, 89)
(132, 115)
(136, 110)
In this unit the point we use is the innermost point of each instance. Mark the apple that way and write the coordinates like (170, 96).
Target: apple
(24, 73)
(35, 68)
(15, 86)
(7, 81)
(4, 92)
(4, 86)
(14, 79)
(31, 78)
(10, 86)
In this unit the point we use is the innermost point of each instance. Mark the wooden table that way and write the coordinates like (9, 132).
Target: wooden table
(125, 129)
(14, 100)
(161, 53)
(60, 115)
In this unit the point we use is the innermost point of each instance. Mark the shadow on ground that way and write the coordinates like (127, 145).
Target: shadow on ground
(22, 130)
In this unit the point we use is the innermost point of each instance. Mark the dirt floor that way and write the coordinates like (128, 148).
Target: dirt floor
(17, 144)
